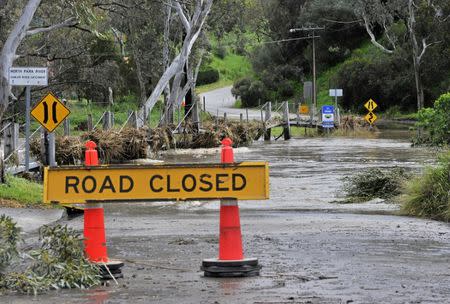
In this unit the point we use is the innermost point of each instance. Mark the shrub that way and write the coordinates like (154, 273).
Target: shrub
(251, 92)
(429, 195)
(208, 76)
(436, 121)
(221, 51)
(58, 263)
(374, 183)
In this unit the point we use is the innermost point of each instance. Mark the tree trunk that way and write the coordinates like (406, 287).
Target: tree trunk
(8, 53)
(193, 28)
(419, 85)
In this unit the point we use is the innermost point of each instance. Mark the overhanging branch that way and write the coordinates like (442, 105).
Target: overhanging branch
(72, 21)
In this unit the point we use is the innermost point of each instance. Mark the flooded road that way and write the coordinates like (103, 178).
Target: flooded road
(312, 251)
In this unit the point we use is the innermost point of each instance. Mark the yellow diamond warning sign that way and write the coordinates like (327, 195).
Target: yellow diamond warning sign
(50, 112)
(371, 105)
(371, 118)
(303, 109)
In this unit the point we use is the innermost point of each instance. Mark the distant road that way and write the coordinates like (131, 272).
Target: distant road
(222, 101)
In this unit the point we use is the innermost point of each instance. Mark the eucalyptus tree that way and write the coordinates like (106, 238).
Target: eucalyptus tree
(425, 23)
(192, 17)
(24, 25)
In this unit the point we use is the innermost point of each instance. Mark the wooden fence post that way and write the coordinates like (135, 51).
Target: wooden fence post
(267, 117)
(90, 122)
(11, 139)
(286, 125)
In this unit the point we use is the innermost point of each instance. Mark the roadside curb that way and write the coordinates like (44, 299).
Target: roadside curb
(30, 220)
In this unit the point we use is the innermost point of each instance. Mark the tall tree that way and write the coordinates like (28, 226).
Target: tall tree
(192, 18)
(422, 20)
(20, 31)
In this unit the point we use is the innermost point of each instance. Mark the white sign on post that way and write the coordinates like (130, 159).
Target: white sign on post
(28, 76)
(336, 92)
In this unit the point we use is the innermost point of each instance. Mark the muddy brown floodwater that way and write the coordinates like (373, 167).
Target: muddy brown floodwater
(312, 251)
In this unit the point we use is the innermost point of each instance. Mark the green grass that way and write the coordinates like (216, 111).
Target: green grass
(232, 67)
(295, 132)
(22, 191)
(428, 195)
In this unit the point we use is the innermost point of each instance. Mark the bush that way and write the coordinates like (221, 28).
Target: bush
(436, 121)
(58, 263)
(374, 183)
(429, 195)
(208, 76)
(221, 51)
(251, 92)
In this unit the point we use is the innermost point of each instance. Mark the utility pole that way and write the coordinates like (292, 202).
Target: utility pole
(313, 30)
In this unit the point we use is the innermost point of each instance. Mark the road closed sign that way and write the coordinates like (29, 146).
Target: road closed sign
(73, 185)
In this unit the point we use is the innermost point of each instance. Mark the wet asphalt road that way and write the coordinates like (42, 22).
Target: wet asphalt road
(311, 251)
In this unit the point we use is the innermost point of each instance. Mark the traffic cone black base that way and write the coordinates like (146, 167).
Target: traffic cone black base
(231, 268)
(114, 268)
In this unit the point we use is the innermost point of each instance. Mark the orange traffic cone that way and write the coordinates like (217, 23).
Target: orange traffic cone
(231, 262)
(94, 229)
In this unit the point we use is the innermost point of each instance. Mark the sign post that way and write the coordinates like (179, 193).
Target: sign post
(28, 76)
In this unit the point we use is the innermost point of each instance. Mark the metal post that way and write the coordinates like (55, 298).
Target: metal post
(246, 113)
(314, 73)
(287, 125)
(51, 149)
(27, 127)
(241, 117)
(204, 104)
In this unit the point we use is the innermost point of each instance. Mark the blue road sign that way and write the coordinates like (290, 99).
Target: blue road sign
(328, 116)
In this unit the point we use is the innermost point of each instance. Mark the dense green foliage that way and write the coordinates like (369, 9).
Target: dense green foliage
(387, 78)
(251, 92)
(59, 262)
(428, 195)
(436, 122)
(208, 76)
(9, 237)
(374, 183)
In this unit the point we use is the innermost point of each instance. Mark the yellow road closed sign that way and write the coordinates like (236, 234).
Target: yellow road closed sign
(73, 185)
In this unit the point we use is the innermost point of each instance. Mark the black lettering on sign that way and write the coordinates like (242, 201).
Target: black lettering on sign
(123, 178)
(107, 184)
(219, 181)
(55, 119)
(243, 182)
(85, 184)
(204, 181)
(45, 112)
(169, 189)
(193, 182)
(152, 186)
(72, 182)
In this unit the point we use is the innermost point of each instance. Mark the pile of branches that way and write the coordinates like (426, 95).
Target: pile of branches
(242, 134)
(352, 123)
(113, 146)
(130, 143)
(58, 262)
(375, 183)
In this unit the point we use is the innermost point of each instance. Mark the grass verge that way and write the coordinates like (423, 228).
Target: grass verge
(19, 192)
(428, 195)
